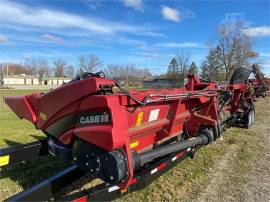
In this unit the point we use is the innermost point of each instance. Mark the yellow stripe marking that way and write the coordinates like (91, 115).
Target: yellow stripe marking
(4, 160)
(139, 119)
(134, 144)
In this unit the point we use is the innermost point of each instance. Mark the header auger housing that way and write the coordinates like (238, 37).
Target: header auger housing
(125, 138)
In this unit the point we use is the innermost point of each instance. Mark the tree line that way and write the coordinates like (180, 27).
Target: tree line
(127, 74)
(231, 49)
(180, 66)
(38, 67)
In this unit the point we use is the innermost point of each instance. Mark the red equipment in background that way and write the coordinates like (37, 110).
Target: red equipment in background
(259, 84)
(123, 136)
(241, 107)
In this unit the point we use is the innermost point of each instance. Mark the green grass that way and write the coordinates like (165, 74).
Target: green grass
(183, 182)
(15, 131)
(12, 129)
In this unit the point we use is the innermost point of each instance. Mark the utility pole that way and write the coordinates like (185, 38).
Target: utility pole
(7, 69)
(146, 59)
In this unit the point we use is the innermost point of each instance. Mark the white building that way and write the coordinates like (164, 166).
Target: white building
(31, 80)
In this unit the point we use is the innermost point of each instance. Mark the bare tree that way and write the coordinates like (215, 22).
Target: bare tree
(2, 69)
(39, 67)
(235, 47)
(59, 67)
(70, 71)
(146, 73)
(129, 73)
(183, 60)
(142, 74)
(89, 63)
(13, 69)
(114, 71)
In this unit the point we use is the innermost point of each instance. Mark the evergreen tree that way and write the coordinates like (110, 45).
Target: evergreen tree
(212, 68)
(173, 71)
(193, 69)
(205, 70)
(215, 65)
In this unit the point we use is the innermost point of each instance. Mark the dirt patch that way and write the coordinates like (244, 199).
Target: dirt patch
(243, 173)
(217, 175)
(259, 188)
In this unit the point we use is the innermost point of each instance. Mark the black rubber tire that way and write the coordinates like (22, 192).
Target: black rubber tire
(209, 134)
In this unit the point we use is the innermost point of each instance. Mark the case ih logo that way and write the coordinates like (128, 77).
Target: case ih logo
(97, 118)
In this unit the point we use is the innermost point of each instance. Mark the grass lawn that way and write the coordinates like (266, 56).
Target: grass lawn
(184, 182)
(12, 129)
(16, 131)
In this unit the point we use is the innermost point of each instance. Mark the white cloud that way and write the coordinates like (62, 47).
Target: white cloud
(39, 17)
(266, 65)
(52, 38)
(257, 31)
(181, 45)
(264, 54)
(29, 17)
(135, 4)
(92, 4)
(170, 14)
(3, 39)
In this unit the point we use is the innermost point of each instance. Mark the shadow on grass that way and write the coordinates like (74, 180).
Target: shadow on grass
(32, 172)
(13, 143)
(37, 137)
(29, 173)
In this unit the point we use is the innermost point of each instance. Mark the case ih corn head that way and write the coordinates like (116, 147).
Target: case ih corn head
(125, 138)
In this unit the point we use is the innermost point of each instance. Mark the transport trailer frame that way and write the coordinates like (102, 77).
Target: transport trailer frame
(140, 180)
(16, 154)
(47, 189)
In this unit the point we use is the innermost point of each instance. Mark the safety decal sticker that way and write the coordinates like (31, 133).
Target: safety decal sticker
(43, 116)
(4, 160)
(153, 115)
(134, 144)
(139, 119)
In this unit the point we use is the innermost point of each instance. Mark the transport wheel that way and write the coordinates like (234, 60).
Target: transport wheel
(209, 134)
(249, 119)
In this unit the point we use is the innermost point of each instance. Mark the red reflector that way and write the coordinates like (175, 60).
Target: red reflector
(179, 155)
(133, 181)
(161, 166)
(82, 199)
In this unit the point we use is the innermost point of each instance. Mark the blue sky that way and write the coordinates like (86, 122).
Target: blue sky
(144, 33)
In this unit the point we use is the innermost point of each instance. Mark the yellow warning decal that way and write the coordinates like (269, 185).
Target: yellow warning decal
(43, 116)
(139, 119)
(4, 160)
(134, 144)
